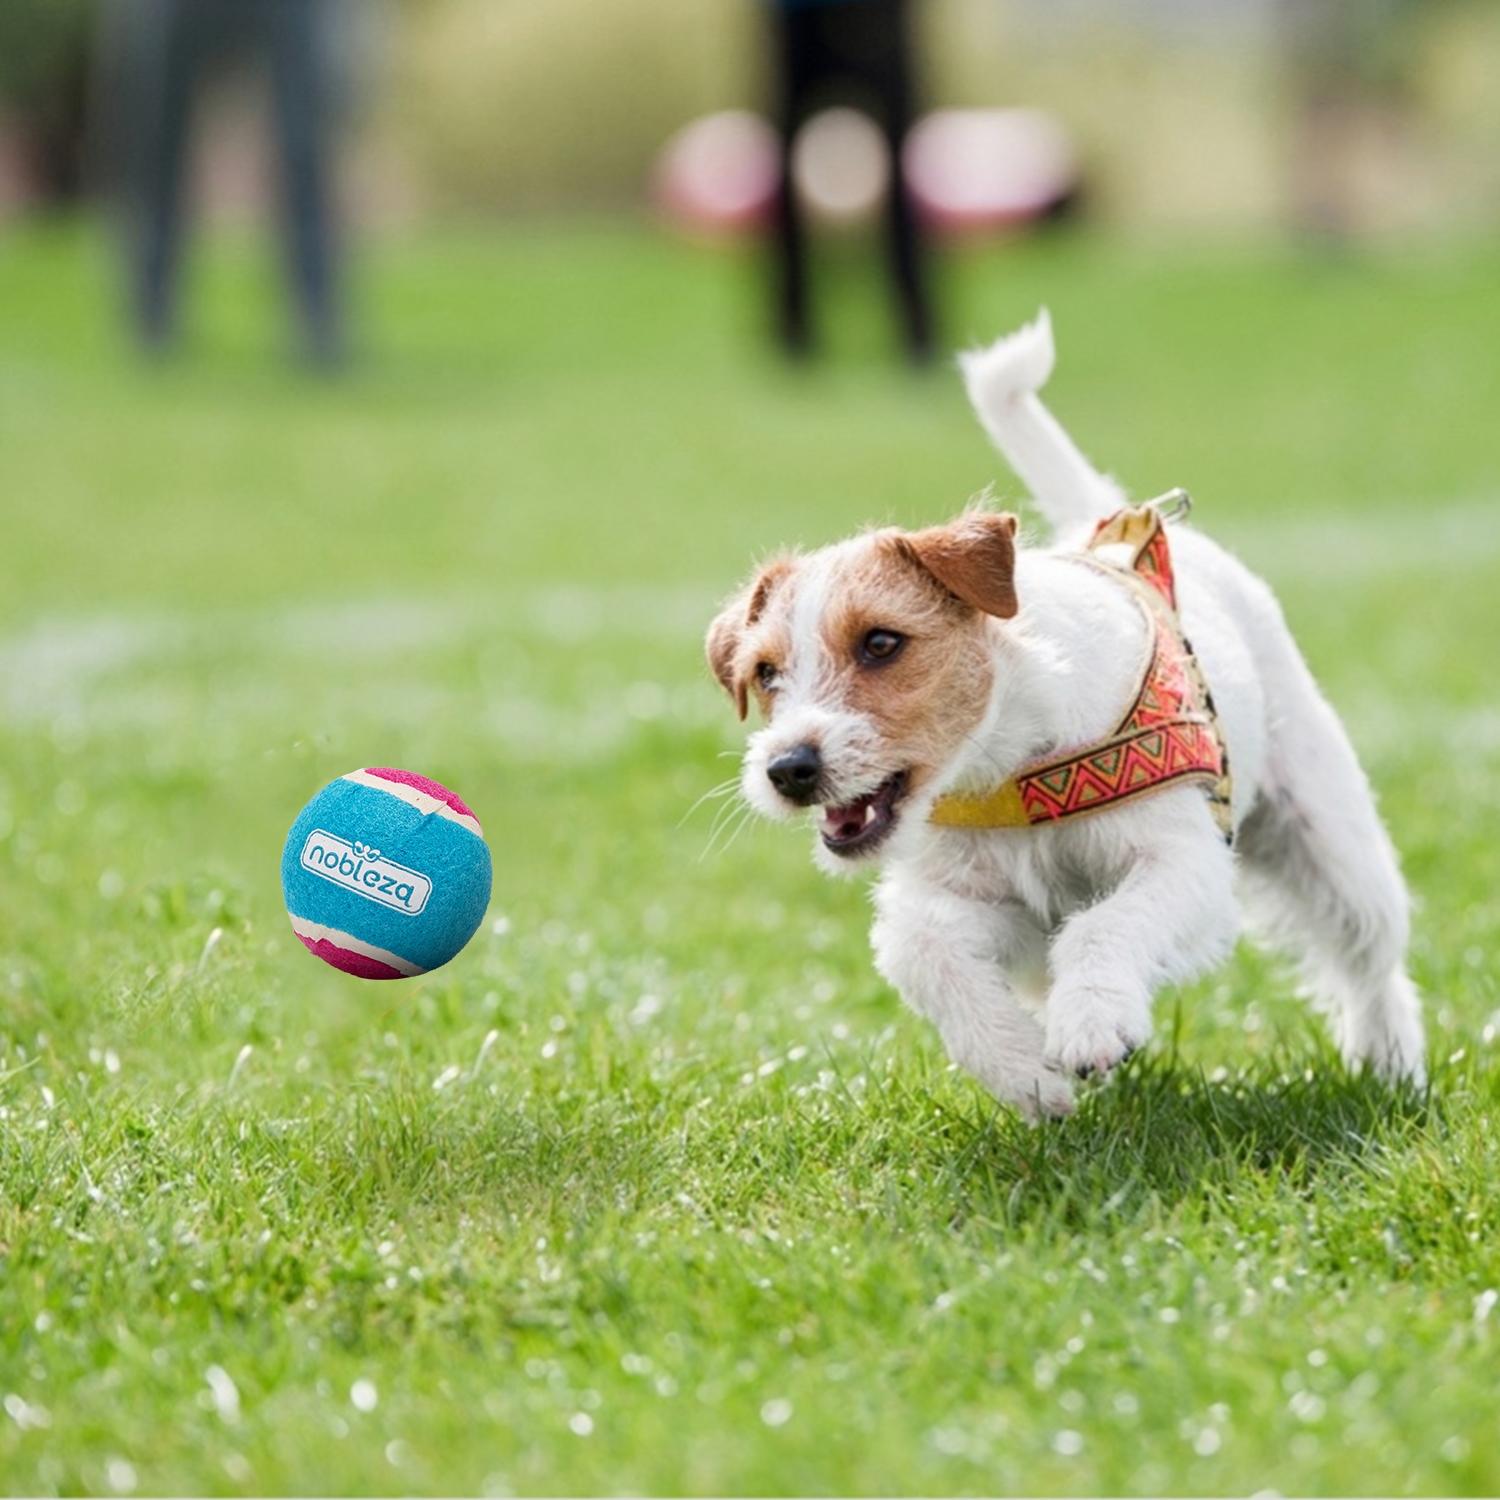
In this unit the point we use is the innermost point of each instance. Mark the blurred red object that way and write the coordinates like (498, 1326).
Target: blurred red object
(971, 170)
(717, 175)
(968, 170)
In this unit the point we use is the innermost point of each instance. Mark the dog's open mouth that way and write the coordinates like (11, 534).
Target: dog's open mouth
(863, 823)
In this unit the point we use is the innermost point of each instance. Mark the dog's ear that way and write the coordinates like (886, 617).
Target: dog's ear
(727, 633)
(973, 557)
(723, 646)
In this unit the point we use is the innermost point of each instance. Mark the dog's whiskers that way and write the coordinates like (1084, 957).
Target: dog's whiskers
(734, 817)
(717, 839)
(722, 815)
(723, 789)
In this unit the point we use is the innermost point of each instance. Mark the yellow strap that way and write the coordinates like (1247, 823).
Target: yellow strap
(1133, 528)
(1000, 808)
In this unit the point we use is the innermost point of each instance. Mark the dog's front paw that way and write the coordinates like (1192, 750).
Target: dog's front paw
(1092, 1029)
(1046, 1096)
(1036, 1091)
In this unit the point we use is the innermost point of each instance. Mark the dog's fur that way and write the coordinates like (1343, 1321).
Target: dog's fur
(1036, 951)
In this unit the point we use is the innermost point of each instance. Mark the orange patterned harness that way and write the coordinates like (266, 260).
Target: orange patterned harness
(1169, 734)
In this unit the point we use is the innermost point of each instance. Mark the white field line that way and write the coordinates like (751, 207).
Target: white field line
(160, 677)
(1454, 537)
(60, 660)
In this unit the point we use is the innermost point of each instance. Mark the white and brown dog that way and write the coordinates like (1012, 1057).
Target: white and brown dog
(901, 671)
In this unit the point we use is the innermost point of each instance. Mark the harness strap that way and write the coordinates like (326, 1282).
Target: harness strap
(1169, 734)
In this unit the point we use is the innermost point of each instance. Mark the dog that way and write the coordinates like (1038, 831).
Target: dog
(912, 681)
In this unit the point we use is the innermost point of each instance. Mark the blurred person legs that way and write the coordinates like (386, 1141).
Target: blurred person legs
(46, 58)
(172, 48)
(1345, 59)
(828, 51)
(299, 36)
(155, 80)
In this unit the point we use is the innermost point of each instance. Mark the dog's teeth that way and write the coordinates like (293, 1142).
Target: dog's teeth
(869, 813)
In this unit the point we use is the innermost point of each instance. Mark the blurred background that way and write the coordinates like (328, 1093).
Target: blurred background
(1234, 114)
(1332, 120)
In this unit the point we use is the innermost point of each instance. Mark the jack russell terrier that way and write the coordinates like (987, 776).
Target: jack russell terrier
(1073, 766)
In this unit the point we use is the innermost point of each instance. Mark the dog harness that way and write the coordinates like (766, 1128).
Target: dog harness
(1169, 734)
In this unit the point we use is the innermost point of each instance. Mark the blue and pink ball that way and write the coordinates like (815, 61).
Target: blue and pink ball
(386, 874)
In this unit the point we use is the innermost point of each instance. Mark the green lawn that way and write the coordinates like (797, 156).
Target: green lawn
(657, 1187)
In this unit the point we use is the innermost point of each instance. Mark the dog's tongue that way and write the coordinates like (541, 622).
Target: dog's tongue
(846, 822)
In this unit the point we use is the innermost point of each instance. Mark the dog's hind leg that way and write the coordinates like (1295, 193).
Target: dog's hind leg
(1320, 880)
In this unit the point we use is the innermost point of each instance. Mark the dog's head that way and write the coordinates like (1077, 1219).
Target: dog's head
(872, 662)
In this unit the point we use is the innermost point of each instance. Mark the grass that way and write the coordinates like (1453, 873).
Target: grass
(657, 1188)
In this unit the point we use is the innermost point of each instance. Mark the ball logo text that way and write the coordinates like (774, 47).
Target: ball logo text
(359, 868)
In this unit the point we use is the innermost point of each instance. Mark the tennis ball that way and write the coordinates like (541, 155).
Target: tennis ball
(386, 874)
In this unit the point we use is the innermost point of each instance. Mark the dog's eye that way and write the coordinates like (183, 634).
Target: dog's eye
(880, 645)
(765, 675)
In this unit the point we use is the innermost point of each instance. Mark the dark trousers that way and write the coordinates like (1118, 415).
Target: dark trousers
(854, 51)
(168, 49)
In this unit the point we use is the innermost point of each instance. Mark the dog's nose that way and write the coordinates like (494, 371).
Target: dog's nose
(795, 773)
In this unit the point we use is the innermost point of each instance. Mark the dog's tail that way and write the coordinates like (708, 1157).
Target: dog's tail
(1002, 381)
